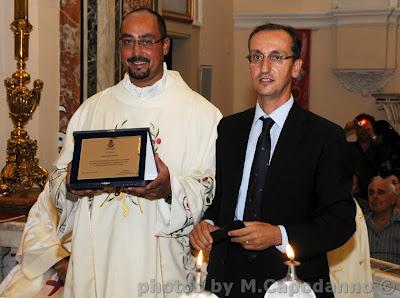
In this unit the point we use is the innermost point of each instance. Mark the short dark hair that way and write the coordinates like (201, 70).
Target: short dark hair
(296, 42)
(160, 21)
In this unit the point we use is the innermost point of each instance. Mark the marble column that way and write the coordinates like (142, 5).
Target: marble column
(106, 43)
(70, 60)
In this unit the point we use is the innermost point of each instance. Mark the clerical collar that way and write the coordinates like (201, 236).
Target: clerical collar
(148, 91)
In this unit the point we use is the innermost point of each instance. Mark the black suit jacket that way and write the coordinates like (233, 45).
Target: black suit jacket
(308, 191)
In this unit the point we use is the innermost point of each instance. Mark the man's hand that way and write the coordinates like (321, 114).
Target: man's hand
(84, 192)
(158, 188)
(257, 235)
(61, 267)
(200, 237)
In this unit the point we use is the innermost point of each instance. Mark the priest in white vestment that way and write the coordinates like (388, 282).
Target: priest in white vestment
(133, 243)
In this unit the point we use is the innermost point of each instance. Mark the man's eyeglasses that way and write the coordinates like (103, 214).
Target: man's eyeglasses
(274, 57)
(141, 43)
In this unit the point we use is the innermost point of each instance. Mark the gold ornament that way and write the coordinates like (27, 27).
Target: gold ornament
(21, 170)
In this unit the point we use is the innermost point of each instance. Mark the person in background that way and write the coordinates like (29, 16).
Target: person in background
(390, 139)
(132, 243)
(355, 190)
(382, 223)
(394, 178)
(367, 156)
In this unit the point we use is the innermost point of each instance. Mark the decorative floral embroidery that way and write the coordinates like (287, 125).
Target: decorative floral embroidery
(125, 208)
(208, 183)
(109, 198)
(122, 198)
(183, 232)
(188, 261)
(122, 124)
(55, 182)
(154, 132)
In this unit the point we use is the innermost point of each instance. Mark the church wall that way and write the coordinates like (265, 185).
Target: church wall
(332, 46)
(216, 49)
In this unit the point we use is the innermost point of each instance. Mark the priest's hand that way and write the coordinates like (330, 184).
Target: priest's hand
(61, 267)
(257, 235)
(200, 237)
(156, 189)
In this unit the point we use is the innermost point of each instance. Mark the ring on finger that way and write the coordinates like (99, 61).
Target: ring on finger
(247, 242)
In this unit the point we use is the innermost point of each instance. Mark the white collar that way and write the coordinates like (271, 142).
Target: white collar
(279, 115)
(148, 91)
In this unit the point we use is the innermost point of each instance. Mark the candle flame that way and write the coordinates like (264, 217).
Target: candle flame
(200, 259)
(290, 252)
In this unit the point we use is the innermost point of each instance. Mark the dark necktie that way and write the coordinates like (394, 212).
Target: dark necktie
(258, 173)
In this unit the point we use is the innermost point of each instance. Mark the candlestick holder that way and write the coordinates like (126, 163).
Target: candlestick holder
(290, 286)
(198, 281)
(197, 289)
(21, 170)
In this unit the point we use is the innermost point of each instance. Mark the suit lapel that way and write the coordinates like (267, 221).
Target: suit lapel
(291, 134)
(239, 141)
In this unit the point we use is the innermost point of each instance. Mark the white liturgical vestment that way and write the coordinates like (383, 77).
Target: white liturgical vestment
(349, 264)
(121, 245)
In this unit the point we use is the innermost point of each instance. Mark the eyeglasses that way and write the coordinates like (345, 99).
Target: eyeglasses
(141, 43)
(274, 57)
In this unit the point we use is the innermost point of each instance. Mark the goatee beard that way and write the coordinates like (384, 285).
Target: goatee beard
(138, 75)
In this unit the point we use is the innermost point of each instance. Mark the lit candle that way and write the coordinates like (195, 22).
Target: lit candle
(290, 252)
(291, 263)
(199, 263)
(290, 286)
(20, 9)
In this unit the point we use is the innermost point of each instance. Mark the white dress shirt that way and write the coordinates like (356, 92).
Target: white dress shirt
(279, 116)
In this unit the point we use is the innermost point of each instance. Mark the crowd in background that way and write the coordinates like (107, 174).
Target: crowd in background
(375, 160)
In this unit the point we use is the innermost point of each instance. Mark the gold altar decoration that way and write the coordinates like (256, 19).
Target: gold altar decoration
(21, 170)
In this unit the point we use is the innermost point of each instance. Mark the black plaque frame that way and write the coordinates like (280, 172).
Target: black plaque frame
(132, 181)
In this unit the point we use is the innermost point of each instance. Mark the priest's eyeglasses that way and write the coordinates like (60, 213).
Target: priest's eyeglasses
(257, 57)
(145, 43)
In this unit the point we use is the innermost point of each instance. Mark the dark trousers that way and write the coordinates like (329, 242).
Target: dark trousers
(251, 279)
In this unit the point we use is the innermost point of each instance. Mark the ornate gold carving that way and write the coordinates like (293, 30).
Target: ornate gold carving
(21, 170)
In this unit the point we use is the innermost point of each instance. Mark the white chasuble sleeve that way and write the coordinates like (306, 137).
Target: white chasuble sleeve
(47, 235)
(192, 194)
(45, 239)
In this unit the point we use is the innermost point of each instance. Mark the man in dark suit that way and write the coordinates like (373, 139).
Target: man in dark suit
(300, 194)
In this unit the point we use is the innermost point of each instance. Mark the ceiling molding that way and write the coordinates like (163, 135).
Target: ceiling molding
(315, 20)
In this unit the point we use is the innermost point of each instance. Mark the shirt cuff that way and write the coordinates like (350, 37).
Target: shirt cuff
(209, 221)
(282, 247)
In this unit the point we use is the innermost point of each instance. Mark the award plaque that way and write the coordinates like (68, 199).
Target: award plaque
(112, 158)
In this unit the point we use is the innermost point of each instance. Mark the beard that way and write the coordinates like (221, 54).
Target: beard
(138, 74)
